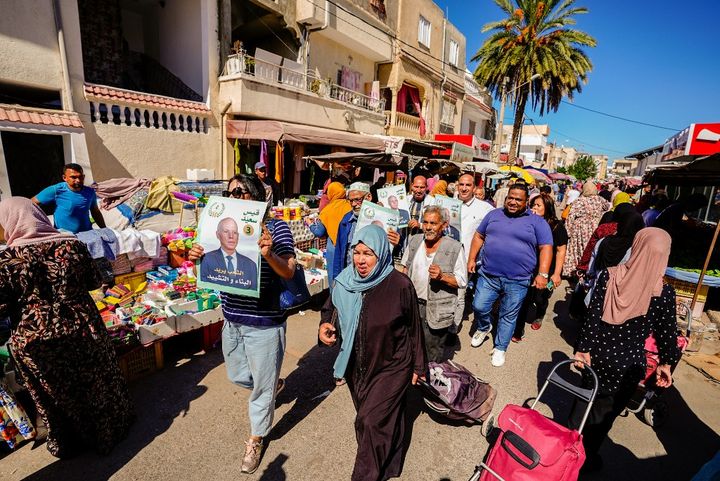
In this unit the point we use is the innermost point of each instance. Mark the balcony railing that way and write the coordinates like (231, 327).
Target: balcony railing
(403, 121)
(295, 77)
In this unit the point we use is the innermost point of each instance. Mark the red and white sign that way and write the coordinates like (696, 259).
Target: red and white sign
(703, 139)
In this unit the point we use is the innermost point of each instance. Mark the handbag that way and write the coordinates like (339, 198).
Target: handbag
(293, 291)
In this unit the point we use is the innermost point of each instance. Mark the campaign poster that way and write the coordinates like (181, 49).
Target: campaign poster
(396, 198)
(452, 212)
(229, 230)
(384, 217)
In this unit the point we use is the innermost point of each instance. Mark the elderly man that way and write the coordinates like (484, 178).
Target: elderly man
(394, 204)
(436, 265)
(357, 192)
(511, 239)
(72, 200)
(225, 265)
(472, 212)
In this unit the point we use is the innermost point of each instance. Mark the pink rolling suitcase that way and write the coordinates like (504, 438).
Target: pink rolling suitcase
(532, 447)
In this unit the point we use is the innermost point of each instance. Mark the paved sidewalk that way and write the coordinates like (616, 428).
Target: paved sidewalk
(192, 422)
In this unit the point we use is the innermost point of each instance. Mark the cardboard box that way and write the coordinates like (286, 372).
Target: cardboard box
(158, 331)
(185, 322)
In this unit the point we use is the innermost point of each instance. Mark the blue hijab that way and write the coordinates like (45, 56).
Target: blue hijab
(349, 288)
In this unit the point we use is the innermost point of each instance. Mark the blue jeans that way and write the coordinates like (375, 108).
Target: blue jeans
(253, 356)
(511, 293)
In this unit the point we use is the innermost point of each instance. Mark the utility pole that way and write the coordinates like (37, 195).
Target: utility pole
(499, 131)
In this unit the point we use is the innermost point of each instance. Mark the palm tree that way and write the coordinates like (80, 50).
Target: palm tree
(534, 39)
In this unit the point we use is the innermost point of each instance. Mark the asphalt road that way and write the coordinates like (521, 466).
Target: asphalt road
(192, 422)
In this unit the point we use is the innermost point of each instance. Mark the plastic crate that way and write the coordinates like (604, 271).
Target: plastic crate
(684, 292)
(304, 245)
(320, 243)
(142, 361)
(687, 289)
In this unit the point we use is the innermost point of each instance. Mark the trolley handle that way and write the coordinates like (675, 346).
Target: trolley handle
(587, 395)
(513, 439)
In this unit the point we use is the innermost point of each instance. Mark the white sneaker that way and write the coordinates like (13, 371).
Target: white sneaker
(478, 338)
(498, 358)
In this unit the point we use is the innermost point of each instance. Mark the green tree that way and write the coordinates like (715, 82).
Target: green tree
(561, 170)
(583, 168)
(534, 39)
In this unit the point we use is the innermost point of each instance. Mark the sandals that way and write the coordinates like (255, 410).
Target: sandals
(537, 324)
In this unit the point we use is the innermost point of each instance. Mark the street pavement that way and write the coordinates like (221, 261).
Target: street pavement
(192, 422)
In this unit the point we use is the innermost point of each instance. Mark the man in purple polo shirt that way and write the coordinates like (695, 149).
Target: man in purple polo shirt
(511, 239)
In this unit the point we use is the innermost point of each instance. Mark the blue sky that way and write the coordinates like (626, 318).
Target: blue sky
(657, 61)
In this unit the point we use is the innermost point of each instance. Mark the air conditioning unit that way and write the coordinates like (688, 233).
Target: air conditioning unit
(310, 14)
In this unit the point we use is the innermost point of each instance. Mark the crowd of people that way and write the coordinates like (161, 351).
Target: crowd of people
(398, 300)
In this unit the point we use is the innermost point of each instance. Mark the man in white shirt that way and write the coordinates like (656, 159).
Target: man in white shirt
(437, 266)
(473, 211)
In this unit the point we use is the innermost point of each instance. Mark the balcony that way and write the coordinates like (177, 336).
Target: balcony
(405, 125)
(281, 89)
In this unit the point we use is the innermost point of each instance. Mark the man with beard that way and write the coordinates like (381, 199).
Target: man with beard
(512, 239)
(436, 266)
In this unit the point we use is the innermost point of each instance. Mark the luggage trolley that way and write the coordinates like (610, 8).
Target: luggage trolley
(532, 446)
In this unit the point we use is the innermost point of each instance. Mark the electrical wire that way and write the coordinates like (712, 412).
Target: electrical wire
(582, 142)
(620, 118)
(273, 32)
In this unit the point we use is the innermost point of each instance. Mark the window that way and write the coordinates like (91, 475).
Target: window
(454, 53)
(448, 113)
(424, 28)
(472, 126)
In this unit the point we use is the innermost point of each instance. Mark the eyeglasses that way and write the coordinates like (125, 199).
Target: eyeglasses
(357, 201)
(237, 192)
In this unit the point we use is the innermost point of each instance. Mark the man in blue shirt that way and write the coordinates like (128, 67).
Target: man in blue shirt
(72, 201)
(511, 239)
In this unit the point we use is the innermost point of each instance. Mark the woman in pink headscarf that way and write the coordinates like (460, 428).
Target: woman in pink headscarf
(629, 302)
(58, 341)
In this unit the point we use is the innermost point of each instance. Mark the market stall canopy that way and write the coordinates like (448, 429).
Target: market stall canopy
(367, 159)
(703, 171)
(447, 166)
(275, 131)
(537, 175)
(520, 172)
(558, 176)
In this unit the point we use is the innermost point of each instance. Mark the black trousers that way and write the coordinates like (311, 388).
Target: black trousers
(605, 410)
(540, 298)
(435, 339)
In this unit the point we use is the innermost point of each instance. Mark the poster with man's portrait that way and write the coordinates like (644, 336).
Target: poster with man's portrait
(229, 230)
(370, 213)
(396, 198)
(452, 213)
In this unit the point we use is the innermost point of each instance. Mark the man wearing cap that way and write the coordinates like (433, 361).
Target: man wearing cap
(269, 184)
(357, 192)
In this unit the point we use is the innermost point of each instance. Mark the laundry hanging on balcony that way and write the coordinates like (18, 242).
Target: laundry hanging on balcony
(414, 94)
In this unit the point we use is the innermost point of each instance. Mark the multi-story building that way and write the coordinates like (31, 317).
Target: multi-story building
(478, 115)
(601, 162)
(624, 167)
(559, 156)
(125, 88)
(533, 141)
(424, 86)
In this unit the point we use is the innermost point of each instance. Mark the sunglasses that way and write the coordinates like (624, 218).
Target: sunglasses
(236, 192)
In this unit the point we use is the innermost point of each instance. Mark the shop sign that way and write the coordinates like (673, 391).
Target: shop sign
(703, 139)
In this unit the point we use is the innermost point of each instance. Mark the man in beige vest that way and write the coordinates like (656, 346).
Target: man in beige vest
(436, 264)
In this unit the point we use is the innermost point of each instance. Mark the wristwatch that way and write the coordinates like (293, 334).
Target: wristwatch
(542, 274)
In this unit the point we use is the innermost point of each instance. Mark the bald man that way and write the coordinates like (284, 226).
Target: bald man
(226, 266)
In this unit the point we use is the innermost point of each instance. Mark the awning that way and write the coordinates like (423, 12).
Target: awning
(558, 176)
(701, 172)
(372, 159)
(275, 131)
(537, 175)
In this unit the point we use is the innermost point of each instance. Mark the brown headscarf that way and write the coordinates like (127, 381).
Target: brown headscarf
(25, 223)
(631, 286)
(589, 189)
(440, 188)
